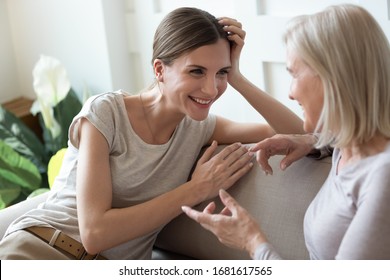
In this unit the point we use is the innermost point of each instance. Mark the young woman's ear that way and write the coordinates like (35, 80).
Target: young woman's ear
(158, 70)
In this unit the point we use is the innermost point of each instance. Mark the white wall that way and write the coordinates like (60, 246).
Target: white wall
(107, 45)
(9, 85)
(86, 36)
(263, 57)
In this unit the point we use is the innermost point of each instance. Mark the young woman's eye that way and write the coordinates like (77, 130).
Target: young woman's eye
(197, 71)
(223, 72)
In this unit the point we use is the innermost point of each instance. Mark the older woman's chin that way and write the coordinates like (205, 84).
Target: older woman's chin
(308, 127)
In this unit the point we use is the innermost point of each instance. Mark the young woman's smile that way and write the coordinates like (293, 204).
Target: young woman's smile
(196, 80)
(201, 101)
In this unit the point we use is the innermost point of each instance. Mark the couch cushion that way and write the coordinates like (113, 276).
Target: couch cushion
(277, 201)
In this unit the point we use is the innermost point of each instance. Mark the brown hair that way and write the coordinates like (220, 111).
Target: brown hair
(185, 29)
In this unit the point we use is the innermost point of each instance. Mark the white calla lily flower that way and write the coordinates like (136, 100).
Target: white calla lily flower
(49, 119)
(51, 81)
(51, 85)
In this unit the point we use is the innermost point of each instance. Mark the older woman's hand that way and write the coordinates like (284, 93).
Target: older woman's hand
(294, 146)
(233, 226)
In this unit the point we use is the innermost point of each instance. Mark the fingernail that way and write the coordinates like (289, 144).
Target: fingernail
(222, 192)
(268, 172)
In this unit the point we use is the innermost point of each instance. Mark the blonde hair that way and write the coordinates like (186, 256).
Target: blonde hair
(349, 51)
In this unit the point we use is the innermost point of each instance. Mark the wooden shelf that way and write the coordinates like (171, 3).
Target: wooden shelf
(20, 107)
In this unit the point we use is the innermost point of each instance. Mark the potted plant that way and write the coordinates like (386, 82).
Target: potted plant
(24, 158)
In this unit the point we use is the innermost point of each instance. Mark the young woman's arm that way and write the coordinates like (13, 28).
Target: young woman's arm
(102, 227)
(227, 131)
(279, 117)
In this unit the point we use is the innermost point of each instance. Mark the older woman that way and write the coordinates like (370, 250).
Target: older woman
(339, 60)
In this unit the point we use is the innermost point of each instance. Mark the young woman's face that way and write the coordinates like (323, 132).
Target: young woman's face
(194, 81)
(307, 89)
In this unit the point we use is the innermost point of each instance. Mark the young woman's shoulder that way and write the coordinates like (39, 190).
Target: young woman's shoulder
(107, 100)
(105, 111)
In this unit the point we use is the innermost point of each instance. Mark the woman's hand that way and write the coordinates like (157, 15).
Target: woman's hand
(221, 171)
(294, 146)
(237, 37)
(233, 226)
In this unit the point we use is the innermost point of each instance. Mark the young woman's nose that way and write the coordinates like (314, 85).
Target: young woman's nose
(210, 86)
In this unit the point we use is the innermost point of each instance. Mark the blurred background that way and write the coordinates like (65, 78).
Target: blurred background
(106, 45)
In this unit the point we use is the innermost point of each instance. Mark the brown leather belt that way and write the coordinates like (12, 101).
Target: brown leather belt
(59, 240)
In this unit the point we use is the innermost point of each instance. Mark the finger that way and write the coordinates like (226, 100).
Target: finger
(239, 157)
(229, 202)
(229, 21)
(289, 159)
(237, 163)
(225, 211)
(227, 151)
(237, 39)
(284, 163)
(192, 213)
(262, 158)
(210, 208)
(207, 155)
(204, 219)
(232, 26)
(235, 30)
(237, 175)
(262, 145)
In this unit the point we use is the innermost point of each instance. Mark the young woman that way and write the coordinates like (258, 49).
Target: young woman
(339, 60)
(125, 172)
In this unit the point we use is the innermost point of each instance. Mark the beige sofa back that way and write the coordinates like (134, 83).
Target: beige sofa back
(277, 201)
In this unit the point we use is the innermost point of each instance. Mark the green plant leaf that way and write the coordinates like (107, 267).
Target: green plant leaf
(64, 113)
(17, 169)
(22, 139)
(8, 192)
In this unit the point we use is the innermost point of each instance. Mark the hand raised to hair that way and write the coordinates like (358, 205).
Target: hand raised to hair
(221, 171)
(237, 37)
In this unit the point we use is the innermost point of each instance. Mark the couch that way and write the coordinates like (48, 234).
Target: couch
(277, 201)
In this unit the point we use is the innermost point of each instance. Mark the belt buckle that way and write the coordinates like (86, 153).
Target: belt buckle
(82, 254)
(85, 254)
